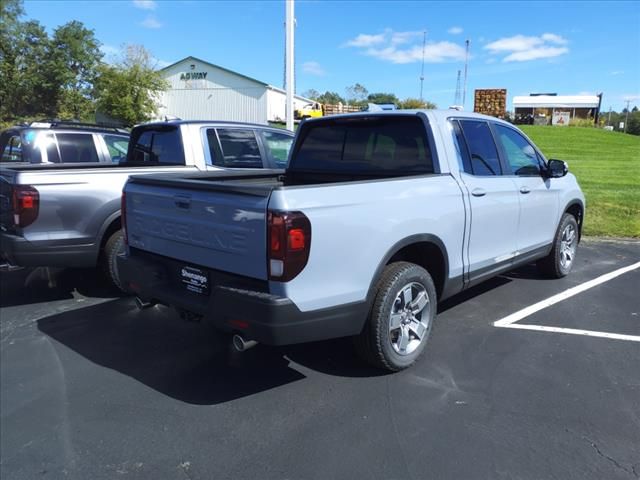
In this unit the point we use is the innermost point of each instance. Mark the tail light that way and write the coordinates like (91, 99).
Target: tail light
(289, 243)
(123, 217)
(26, 204)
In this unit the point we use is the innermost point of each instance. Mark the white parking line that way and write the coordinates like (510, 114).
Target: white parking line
(509, 321)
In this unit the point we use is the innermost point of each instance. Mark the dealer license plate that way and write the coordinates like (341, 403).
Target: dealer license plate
(194, 279)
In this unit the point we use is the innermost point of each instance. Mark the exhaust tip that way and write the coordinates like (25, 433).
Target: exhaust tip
(242, 345)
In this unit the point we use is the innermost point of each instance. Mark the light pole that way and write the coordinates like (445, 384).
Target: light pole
(289, 22)
(626, 118)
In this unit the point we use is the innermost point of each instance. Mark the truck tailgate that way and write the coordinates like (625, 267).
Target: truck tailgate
(222, 230)
(7, 179)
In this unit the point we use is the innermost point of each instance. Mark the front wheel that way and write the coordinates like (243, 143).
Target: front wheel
(560, 260)
(401, 318)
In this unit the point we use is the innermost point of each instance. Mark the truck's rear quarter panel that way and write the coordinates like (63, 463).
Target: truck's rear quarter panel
(354, 226)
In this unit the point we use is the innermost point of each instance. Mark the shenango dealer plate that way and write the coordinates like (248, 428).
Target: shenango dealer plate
(194, 279)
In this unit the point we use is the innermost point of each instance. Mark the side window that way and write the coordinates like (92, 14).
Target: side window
(13, 150)
(481, 149)
(239, 148)
(521, 156)
(45, 148)
(157, 146)
(278, 146)
(117, 147)
(77, 148)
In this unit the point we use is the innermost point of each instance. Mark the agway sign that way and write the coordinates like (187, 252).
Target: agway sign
(193, 76)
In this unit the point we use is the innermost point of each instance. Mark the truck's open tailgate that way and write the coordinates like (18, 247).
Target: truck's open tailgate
(223, 230)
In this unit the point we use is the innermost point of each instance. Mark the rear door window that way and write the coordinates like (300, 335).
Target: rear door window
(370, 145)
(239, 148)
(77, 148)
(278, 146)
(162, 145)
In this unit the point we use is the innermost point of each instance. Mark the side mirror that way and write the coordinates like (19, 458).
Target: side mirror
(557, 168)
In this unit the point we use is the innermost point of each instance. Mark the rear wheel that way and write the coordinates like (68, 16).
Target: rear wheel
(401, 318)
(560, 260)
(113, 247)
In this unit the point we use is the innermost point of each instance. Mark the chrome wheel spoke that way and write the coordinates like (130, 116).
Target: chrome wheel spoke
(418, 329)
(419, 303)
(407, 295)
(403, 339)
(395, 321)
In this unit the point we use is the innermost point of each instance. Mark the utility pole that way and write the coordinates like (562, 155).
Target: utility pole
(466, 63)
(424, 44)
(609, 117)
(456, 98)
(626, 118)
(290, 88)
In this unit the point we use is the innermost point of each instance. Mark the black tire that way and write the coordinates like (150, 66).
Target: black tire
(376, 343)
(114, 245)
(555, 265)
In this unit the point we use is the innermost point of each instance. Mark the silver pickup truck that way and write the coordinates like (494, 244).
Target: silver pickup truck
(377, 218)
(68, 215)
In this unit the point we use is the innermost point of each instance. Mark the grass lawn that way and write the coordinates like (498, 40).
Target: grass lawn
(607, 165)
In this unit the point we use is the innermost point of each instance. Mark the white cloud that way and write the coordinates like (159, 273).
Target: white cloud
(400, 38)
(145, 4)
(364, 40)
(313, 68)
(521, 48)
(616, 72)
(455, 30)
(406, 47)
(151, 22)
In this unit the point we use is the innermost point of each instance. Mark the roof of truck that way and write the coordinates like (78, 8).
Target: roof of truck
(439, 115)
(211, 122)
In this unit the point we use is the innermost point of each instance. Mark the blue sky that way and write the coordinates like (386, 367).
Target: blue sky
(566, 47)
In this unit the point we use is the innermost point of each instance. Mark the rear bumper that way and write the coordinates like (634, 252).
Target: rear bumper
(21, 252)
(257, 315)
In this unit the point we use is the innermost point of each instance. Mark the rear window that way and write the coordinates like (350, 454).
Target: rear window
(371, 145)
(76, 148)
(162, 145)
(12, 151)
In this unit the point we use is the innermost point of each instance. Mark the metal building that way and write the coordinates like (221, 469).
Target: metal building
(553, 109)
(199, 90)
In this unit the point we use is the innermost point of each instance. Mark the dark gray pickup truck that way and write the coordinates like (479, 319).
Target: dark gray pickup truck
(68, 215)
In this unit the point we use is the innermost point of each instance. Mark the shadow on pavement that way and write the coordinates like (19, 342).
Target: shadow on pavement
(190, 361)
(37, 285)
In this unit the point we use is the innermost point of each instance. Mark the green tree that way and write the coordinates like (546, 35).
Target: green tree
(76, 56)
(312, 94)
(416, 103)
(330, 98)
(383, 98)
(128, 90)
(357, 94)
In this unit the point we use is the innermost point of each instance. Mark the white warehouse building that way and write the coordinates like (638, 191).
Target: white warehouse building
(199, 90)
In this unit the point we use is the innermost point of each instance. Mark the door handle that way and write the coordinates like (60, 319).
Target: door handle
(478, 192)
(524, 190)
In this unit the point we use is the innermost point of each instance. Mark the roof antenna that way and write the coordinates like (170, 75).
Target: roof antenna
(424, 43)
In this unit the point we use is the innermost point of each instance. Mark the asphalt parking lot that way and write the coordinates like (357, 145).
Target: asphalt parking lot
(92, 388)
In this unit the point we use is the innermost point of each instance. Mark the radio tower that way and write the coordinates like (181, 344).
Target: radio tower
(424, 43)
(466, 63)
(456, 100)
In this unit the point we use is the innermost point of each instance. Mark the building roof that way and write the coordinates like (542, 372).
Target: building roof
(550, 101)
(215, 66)
(283, 91)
